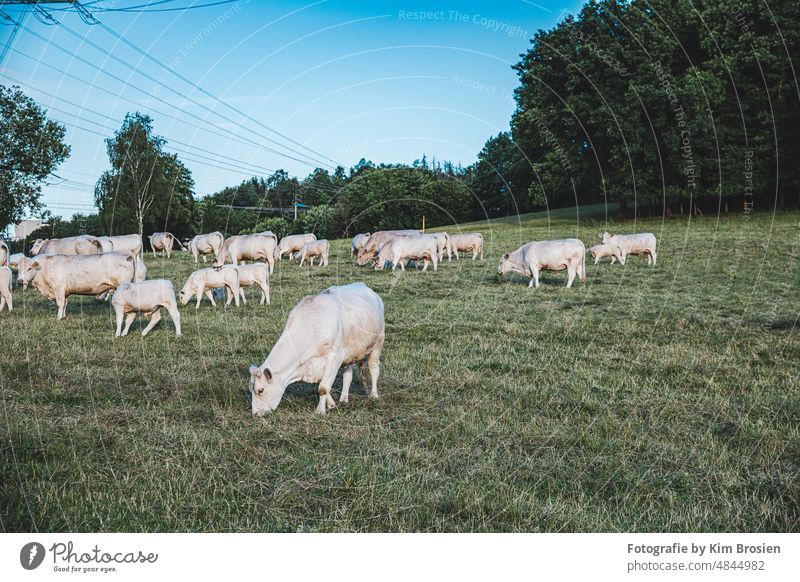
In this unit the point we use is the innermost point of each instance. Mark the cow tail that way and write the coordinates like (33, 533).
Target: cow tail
(175, 238)
(98, 244)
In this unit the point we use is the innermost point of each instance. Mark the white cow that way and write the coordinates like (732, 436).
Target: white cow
(206, 244)
(164, 241)
(358, 243)
(72, 245)
(443, 243)
(313, 249)
(465, 243)
(623, 245)
(57, 277)
(601, 252)
(548, 255)
(5, 288)
(249, 247)
(130, 243)
(203, 281)
(340, 327)
(373, 243)
(4, 254)
(147, 297)
(399, 249)
(292, 244)
(249, 275)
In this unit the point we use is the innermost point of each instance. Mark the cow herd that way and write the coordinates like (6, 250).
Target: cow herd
(341, 327)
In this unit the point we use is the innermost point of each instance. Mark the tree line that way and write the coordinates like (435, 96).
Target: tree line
(660, 106)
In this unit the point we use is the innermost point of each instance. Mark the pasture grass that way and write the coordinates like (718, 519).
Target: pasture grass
(660, 399)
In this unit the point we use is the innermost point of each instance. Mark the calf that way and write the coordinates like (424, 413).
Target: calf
(147, 297)
(399, 249)
(57, 277)
(203, 281)
(254, 274)
(601, 252)
(206, 244)
(623, 245)
(548, 255)
(348, 328)
(292, 244)
(467, 242)
(5, 288)
(313, 249)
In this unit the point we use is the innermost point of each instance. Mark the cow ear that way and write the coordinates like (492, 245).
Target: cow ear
(35, 265)
(506, 256)
(267, 374)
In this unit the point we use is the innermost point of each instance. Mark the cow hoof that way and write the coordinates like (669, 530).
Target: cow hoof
(343, 400)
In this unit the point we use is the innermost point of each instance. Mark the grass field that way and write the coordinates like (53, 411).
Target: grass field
(646, 400)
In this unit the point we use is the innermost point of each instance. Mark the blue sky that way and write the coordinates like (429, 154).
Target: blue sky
(345, 80)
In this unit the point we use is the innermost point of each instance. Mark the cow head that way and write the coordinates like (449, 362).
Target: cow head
(364, 257)
(506, 265)
(27, 272)
(37, 246)
(266, 390)
(185, 294)
(605, 237)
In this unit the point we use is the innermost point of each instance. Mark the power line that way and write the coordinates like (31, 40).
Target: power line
(160, 100)
(198, 88)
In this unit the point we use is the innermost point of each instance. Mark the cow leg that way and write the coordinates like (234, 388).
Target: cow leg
(169, 252)
(210, 296)
(61, 302)
(328, 377)
(613, 259)
(347, 378)
(622, 259)
(120, 315)
(570, 275)
(474, 253)
(176, 317)
(128, 321)
(154, 317)
(435, 261)
(597, 259)
(534, 282)
(264, 293)
(374, 363)
(242, 295)
(653, 255)
(302, 260)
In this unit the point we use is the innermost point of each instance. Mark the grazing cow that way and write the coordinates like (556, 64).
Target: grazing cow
(623, 245)
(130, 243)
(4, 254)
(316, 248)
(601, 252)
(548, 255)
(206, 244)
(249, 275)
(57, 277)
(465, 243)
(340, 327)
(164, 241)
(292, 244)
(374, 242)
(442, 243)
(5, 288)
(203, 281)
(147, 297)
(399, 249)
(249, 247)
(72, 245)
(358, 243)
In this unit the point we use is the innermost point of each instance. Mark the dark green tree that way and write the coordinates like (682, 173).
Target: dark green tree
(31, 148)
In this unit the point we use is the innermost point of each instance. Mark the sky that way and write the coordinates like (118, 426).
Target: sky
(245, 87)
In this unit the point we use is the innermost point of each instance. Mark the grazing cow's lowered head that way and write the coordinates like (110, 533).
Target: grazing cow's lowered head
(266, 390)
(506, 265)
